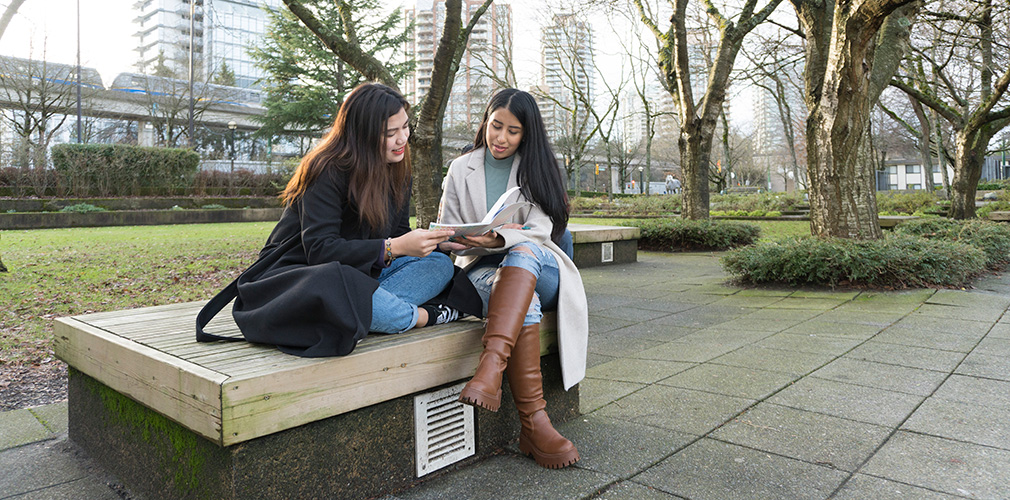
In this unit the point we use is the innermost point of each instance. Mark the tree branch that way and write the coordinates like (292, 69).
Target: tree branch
(934, 104)
(367, 65)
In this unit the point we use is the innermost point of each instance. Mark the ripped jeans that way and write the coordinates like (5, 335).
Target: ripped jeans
(528, 256)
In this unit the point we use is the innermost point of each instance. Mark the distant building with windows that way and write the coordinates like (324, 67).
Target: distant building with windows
(906, 174)
(482, 64)
(771, 150)
(567, 60)
(222, 32)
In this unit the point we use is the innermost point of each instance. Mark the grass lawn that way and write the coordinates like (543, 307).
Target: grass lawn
(771, 230)
(60, 272)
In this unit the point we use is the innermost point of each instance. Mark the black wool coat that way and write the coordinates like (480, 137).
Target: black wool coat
(310, 290)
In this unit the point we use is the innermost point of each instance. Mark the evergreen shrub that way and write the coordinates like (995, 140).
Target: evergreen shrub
(82, 208)
(123, 170)
(781, 202)
(686, 235)
(993, 238)
(896, 261)
(898, 203)
(995, 206)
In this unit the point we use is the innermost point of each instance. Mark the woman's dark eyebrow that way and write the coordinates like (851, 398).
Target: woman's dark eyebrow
(496, 122)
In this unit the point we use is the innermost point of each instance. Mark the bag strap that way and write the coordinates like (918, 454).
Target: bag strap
(211, 309)
(216, 304)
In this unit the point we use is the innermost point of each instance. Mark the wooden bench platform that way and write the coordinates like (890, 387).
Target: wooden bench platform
(173, 418)
(999, 216)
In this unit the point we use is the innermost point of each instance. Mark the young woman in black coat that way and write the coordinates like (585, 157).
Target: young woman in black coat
(343, 261)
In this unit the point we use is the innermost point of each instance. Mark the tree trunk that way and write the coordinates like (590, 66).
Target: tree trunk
(924, 152)
(842, 195)
(968, 160)
(840, 86)
(695, 154)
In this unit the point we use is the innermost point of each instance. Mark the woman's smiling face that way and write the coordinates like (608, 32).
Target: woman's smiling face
(396, 135)
(503, 133)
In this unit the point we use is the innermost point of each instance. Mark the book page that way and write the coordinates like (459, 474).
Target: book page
(499, 215)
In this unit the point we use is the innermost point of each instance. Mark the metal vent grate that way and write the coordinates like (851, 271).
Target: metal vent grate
(443, 429)
(607, 251)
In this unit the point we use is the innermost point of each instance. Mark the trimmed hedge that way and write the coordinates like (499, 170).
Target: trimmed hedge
(896, 261)
(687, 235)
(123, 170)
(993, 238)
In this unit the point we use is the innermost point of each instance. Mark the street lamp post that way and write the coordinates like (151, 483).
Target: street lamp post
(231, 175)
(641, 179)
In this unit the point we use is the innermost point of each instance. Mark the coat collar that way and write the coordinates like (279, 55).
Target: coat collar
(475, 181)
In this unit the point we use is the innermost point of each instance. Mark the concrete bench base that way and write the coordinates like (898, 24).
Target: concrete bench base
(174, 419)
(360, 454)
(604, 245)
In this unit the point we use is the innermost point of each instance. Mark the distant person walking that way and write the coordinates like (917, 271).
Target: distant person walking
(672, 185)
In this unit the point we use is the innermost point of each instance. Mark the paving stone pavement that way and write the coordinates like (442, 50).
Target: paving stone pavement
(697, 388)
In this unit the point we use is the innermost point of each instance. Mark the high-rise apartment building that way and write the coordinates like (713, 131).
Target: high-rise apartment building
(482, 65)
(771, 151)
(568, 72)
(222, 31)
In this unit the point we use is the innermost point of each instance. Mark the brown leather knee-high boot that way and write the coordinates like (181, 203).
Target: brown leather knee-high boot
(511, 294)
(537, 437)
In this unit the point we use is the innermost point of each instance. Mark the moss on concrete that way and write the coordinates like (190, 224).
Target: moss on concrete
(185, 449)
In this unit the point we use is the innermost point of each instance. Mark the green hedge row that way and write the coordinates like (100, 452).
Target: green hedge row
(896, 261)
(123, 170)
(921, 253)
(687, 235)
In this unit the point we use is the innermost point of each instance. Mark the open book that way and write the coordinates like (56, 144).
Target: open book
(499, 215)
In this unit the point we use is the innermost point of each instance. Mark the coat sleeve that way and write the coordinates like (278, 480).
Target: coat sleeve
(449, 204)
(401, 225)
(322, 212)
(538, 222)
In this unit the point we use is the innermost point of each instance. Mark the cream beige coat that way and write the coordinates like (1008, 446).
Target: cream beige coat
(464, 200)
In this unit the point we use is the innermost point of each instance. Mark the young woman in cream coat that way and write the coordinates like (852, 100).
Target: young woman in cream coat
(519, 270)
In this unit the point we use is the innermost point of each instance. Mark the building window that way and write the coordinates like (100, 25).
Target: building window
(911, 169)
(915, 186)
(893, 169)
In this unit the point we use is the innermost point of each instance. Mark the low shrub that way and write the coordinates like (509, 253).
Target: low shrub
(628, 205)
(82, 208)
(993, 238)
(677, 234)
(995, 206)
(993, 185)
(896, 261)
(213, 206)
(898, 203)
(777, 201)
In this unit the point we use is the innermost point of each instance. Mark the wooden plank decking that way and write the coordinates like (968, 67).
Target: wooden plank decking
(233, 392)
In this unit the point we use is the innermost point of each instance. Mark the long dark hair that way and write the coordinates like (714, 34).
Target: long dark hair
(538, 177)
(355, 144)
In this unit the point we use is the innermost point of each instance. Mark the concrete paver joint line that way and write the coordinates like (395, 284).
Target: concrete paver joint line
(696, 392)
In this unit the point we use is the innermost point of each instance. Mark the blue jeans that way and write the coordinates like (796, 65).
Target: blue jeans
(407, 283)
(538, 261)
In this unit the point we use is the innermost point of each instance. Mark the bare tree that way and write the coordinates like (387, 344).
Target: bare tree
(9, 12)
(698, 118)
(568, 90)
(776, 60)
(972, 97)
(426, 139)
(847, 55)
(38, 98)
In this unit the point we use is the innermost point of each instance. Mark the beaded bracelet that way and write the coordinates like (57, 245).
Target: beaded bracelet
(389, 251)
